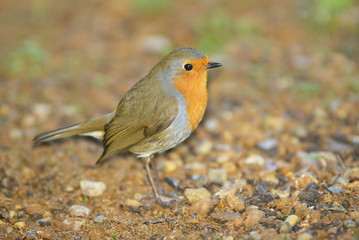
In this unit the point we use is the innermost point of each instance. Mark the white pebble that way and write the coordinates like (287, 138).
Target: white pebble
(218, 175)
(195, 195)
(255, 159)
(79, 211)
(92, 189)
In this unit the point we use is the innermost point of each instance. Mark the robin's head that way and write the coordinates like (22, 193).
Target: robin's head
(184, 63)
(186, 69)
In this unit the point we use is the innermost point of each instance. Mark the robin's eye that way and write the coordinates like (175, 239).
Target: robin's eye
(188, 67)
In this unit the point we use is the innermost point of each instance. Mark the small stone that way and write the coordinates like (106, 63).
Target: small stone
(349, 224)
(201, 207)
(34, 209)
(28, 173)
(305, 180)
(335, 189)
(226, 216)
(9, 230)
(268, 144)
(255, 159)
(305, 236)
(12, 214)
(42, 111)
(310, 195)
(228, 238)
(133, 203)
(195, 195)
(169, 167)
(292, 220)
(218, 175)
(252, 216)
(196, 168)
(285, 228)
(43, 222)
(79, 211)
(92, 189)
(74, 223)
(235, 203)
(211, 124)
(99, 219)
(205, 147)
(69, 188)
(223, 158)
(43, 235)
(231, 189)
(20, 225)
(255, 236)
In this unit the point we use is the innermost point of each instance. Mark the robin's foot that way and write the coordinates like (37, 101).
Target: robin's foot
(166, 202)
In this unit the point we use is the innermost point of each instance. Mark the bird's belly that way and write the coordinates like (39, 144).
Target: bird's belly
(176, 133)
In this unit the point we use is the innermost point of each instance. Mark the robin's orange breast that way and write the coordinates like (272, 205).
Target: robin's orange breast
(193, 86)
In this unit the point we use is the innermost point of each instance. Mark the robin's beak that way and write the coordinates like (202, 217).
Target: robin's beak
(213, 65)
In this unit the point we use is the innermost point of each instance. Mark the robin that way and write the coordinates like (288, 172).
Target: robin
(156, 114)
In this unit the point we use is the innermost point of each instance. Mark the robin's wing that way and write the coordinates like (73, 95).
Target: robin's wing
(139, 115)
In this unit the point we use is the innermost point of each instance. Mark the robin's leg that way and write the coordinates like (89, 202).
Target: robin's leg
(161, 190)
(162, 200)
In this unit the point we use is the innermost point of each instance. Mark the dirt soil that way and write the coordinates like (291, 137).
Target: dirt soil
(275, 157)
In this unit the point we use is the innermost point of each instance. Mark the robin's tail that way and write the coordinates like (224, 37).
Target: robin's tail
(93, 127)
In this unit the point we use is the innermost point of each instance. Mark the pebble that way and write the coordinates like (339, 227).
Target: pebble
(74, 223)
(27, 173)
(268, 144)
(43, 235)
(201, 207)
(11, 214)
(235, 203)
(231, 189)
(20, 225)
(44, 221)
(99, 219)
(195, 195)
(310, 195)
(211, 124)
(79, 211)
(9, 230)
(292, 220)
(133, 203)
(305, 180)
(305, 236)
(349, 224)
(34, 209)
(335, 189)
(285, 228)
(255, 159)
(252, 216)
(222, 158)
(255, 236)
(228, 238)
(205, 147)
(92, 189)
(218, 175)
(42, 111)
(169, 167)
(196, 168)
(226, 216)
